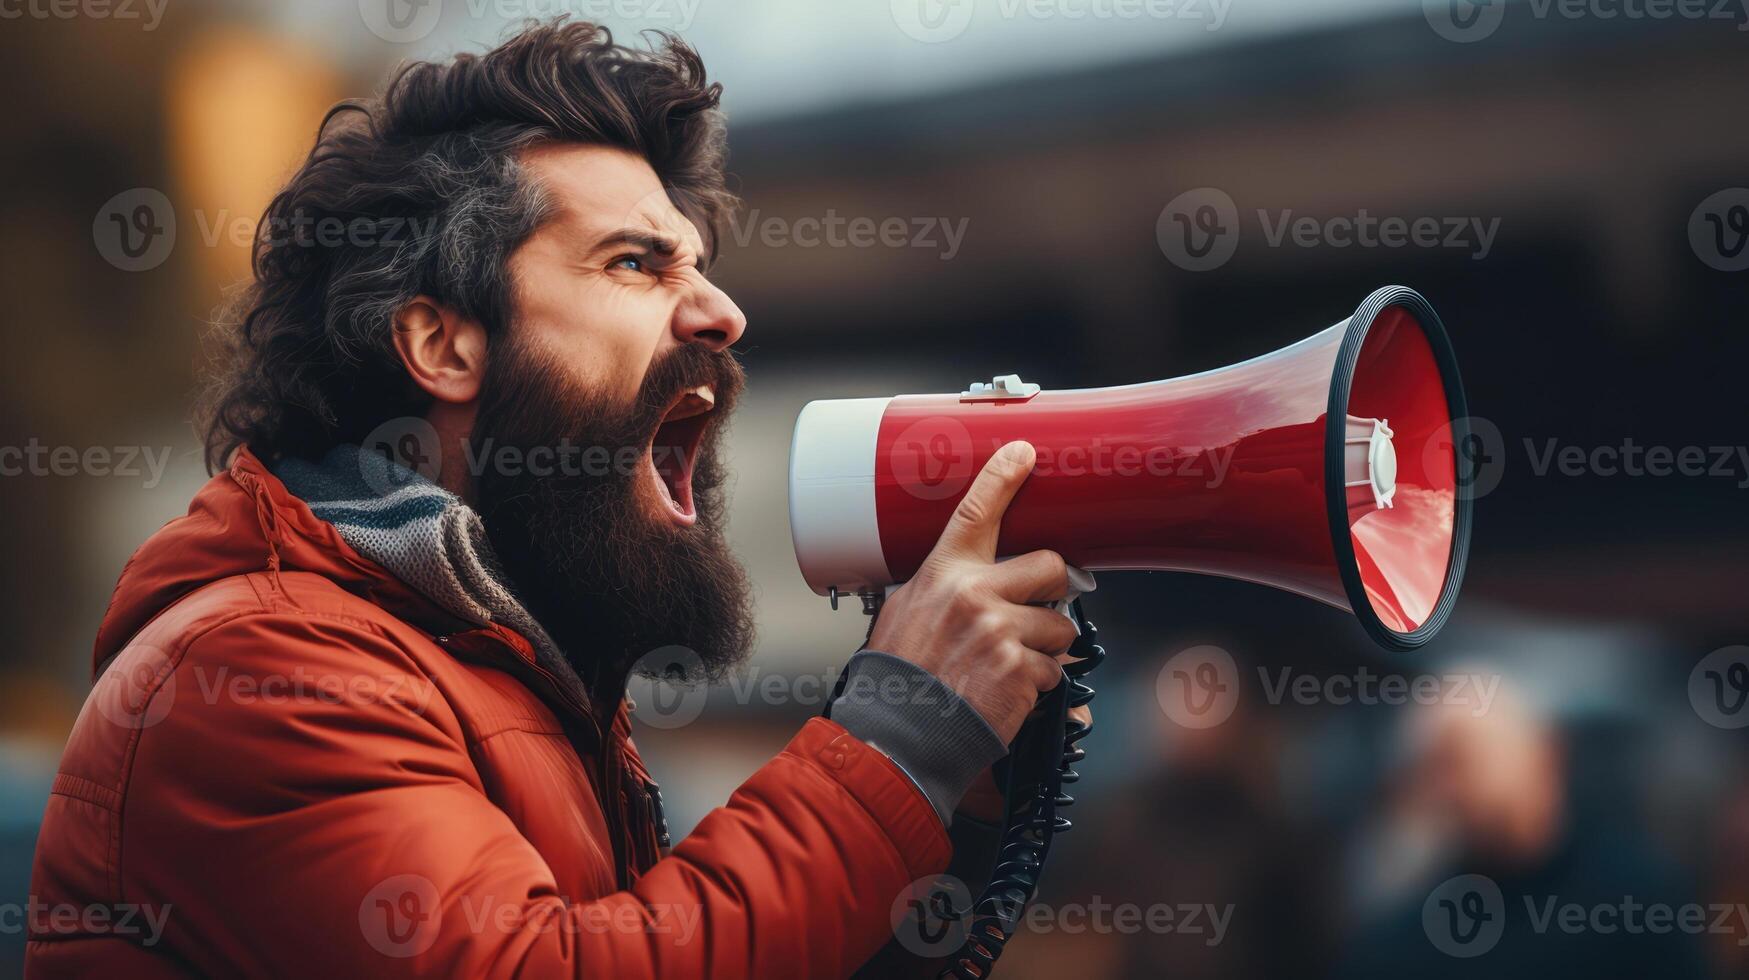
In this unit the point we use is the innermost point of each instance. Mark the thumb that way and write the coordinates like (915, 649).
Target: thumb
(977, 521)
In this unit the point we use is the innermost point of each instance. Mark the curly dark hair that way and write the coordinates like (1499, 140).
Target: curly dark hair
(421, 192)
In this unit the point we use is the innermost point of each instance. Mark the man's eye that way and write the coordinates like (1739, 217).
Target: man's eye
(630, 263)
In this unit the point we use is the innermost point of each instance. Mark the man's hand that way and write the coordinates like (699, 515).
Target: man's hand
(966, 619)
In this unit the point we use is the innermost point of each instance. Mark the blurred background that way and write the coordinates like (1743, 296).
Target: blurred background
(1591, 158)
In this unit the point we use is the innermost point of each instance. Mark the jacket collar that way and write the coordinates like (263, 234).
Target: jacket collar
(245, 520)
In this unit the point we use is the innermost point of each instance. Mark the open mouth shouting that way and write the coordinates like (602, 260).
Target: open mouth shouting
(674, 449)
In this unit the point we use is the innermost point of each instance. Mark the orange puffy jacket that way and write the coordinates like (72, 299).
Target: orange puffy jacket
(293, 765)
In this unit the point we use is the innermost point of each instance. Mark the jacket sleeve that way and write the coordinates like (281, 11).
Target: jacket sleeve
(976, 846)
(352, 837)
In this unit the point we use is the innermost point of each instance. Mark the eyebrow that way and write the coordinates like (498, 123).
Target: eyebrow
(650, 241)
(639, 238)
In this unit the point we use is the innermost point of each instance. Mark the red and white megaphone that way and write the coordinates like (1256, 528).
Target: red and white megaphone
(1326, 469)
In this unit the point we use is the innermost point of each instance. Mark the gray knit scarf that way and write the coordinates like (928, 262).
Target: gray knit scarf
(423, 534)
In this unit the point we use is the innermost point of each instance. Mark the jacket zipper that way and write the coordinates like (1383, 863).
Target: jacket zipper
(658, 816)
(607, 796)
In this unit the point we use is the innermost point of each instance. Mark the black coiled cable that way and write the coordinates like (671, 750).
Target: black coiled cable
(1027, 842)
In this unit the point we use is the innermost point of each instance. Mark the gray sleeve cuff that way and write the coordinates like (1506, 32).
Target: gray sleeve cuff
(929, 732)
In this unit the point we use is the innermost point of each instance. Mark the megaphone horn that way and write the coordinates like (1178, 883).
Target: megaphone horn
(1327, 468)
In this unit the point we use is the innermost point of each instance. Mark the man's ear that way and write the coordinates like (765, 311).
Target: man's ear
(443, 351)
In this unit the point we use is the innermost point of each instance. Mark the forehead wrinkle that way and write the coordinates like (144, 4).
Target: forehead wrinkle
(665, 220)
(662, 216)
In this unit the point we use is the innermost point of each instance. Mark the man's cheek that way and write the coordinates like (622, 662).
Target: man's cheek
(630, 462)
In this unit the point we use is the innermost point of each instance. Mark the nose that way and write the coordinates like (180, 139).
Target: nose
(709, 317)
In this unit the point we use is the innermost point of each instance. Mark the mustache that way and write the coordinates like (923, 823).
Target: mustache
(689, 366)
(531, 399)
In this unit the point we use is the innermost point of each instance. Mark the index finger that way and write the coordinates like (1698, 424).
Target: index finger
(977, 521)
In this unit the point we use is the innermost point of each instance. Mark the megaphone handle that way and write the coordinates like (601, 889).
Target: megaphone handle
(1032, 822)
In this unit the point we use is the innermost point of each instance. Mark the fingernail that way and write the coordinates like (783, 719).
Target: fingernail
(1019, 451)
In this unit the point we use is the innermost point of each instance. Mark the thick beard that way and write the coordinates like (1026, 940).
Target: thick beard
(609, 581)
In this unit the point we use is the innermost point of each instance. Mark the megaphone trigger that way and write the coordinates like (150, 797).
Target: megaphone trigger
(1081, 582)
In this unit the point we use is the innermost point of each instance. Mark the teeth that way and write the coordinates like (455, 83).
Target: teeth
(693, 401)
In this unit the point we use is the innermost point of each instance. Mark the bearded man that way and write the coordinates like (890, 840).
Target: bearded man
(359, 718)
